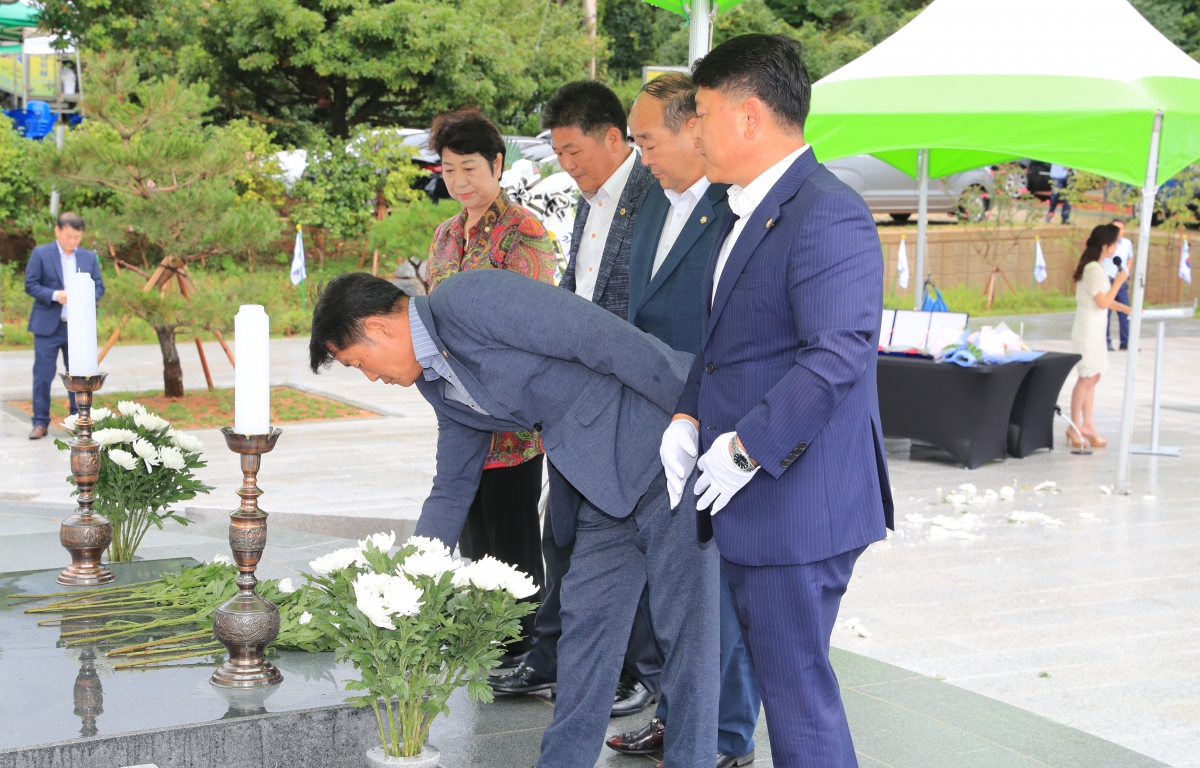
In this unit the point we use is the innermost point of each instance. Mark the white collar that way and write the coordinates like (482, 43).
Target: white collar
(697, 191)
(63, 254)
(743, 200)
(616, 182)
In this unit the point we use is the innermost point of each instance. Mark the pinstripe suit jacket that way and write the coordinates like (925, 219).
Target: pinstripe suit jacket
(612, 282)
(788, 362)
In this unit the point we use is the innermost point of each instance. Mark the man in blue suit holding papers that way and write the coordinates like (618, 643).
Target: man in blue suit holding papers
(781, 404)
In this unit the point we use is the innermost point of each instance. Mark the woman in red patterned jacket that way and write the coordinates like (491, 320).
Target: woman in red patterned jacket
(493, 233)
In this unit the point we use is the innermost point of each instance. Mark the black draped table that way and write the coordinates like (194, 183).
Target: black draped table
(975, 414)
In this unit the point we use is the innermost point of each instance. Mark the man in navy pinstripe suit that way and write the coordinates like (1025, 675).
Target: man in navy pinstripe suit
(781, 404)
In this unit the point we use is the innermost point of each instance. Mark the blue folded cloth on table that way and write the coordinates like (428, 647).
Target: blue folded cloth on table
(969, 356)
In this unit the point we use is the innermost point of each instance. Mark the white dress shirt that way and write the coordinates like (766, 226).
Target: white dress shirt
(743, 201)
(68, 268)
(682, 205)
(1125, 251)
(603, 205)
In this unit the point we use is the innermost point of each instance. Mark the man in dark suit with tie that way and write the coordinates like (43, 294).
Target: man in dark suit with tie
(587, 130)
(781, 402)
(676, 231)
(45, 281)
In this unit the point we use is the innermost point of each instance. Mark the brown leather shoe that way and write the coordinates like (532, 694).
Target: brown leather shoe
(38, 432)
(644, 742)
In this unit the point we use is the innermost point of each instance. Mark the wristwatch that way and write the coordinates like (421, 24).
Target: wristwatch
(741, 459)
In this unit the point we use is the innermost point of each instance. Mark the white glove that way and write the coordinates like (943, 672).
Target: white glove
(679, 448)
(720, 478)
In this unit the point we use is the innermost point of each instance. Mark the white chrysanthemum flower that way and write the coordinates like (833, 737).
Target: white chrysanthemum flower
(336, 561)
(489, 573)
(189, 443)
(100, 414)
(171, 458)
(381, 596)
(382, 541)
(123, 459)
(305, 617)
(147, 452)
(114, 436)
(128, 407)
(150, 421)
(432, 564)
(426, 544)
(222, 559)
(286, 586)
(69, 422)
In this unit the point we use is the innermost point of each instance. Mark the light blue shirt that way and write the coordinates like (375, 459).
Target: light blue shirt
(434, 362)
(1058, 172)
(68, 267)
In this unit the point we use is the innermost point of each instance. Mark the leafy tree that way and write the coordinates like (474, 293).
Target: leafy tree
(635, 30)
(172, 179)
(20, 196)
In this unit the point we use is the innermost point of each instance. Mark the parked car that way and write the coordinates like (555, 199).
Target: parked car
(891, 191)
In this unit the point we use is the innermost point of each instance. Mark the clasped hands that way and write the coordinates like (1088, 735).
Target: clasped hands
(719, 477)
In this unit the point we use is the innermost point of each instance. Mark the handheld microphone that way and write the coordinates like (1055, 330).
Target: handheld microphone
(1117, 262)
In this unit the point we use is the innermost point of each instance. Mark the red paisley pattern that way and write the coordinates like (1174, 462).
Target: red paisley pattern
(506, 237)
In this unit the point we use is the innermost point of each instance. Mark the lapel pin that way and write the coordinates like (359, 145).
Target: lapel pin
(770, 222)
(703, 219)
(622, 211)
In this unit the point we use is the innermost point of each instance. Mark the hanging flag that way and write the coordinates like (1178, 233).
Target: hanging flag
(1185, 263)
(1039, 262)
(298, 271)
(902, 265)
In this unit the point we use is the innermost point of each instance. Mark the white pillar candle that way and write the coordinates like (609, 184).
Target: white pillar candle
(81, 324)
(252, 386)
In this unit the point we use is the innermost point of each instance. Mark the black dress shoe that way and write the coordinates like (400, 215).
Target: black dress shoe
(644, 742)
(729, 761)
(631, 697)
(523, 679)
(511, 661)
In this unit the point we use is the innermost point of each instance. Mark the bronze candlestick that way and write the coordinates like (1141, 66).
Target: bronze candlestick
(85, 534)
(247, 623)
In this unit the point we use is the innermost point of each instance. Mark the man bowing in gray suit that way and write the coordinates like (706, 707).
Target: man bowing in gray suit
(494, 351)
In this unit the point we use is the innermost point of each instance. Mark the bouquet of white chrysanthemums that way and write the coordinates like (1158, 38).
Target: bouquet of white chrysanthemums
(417, 624)
(145, 467)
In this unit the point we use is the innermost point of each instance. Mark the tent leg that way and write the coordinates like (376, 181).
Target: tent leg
(699, 37)
(922, 221)
(1149, 190)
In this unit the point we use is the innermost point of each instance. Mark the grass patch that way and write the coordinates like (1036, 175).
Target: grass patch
(1026, 301)
(209, 410)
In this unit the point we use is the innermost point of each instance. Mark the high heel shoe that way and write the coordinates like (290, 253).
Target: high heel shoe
(1072, 442)
(1096, 441)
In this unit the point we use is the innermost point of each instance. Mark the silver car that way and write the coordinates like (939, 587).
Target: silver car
(890, 191)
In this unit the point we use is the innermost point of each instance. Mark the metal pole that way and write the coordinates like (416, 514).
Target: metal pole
(699, 36)
(1149, 190)
(59, 133)
(922, 223)
(1158, 363)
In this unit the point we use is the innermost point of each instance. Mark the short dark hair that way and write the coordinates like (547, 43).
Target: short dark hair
(768, 67)
(590, 106)
(341, 308)
(677, 93)
(466, 131)
(69, 219)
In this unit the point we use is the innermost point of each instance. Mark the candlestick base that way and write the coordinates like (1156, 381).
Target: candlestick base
(247, 623)
(85, 534)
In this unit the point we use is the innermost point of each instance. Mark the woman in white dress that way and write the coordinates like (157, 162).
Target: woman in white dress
(1094, 296)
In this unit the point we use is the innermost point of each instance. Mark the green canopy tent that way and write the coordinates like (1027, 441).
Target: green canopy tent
(13, 18)
(700, 15)
(966, 84)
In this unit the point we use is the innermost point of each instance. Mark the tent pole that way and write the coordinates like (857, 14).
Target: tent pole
(922, 222)
(1149, 190)
(699, 37)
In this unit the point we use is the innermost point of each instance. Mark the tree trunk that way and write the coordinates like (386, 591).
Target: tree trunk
(339, 123)
(172, 371)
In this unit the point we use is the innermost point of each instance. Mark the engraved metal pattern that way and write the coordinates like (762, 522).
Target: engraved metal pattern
(248, 539)
(85, 534)
(247, 628)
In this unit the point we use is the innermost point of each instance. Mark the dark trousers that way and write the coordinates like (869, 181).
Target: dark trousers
(787, 613)
(1056, 197)
(737, 714)
(1122, 318)
(503, 522)
(643, 661)
(45, 365)
(614, 559)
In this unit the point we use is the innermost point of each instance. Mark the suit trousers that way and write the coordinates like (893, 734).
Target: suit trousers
(503, 522)
(737, 713)
(45, 365)
(787, 613)
(1122, 318)
(614, 559)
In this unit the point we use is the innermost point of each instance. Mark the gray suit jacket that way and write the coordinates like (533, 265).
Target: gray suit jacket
(600, 391)
(612, 282)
